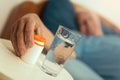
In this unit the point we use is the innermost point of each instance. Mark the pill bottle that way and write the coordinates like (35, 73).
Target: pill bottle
(33, 53)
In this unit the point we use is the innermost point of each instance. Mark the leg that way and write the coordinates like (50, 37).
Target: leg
(59, 12)
(102, 54)
(80, 71)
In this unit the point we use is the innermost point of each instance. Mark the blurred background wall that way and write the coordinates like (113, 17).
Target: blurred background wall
(108, 8)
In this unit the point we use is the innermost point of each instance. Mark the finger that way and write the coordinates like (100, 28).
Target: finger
(90, 26)
(82, 22)
(20, 38)
(14, 39)
(37, 30)
(12, 30)
(84, 30)
(12, 33)
(83, 27)
(29, 34)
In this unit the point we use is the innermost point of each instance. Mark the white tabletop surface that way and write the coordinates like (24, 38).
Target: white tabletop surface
(13, 67)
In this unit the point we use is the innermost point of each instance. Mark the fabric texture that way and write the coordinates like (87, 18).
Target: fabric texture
(80, 71)
(102, 54)
(59, 12)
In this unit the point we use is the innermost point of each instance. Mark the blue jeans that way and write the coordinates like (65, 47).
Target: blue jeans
(80, 71)
(102, 54)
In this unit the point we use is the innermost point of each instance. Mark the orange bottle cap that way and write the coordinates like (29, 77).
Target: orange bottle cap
(39, 38)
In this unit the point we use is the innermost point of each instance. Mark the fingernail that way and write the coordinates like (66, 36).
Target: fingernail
(18, 54)
(23, 52)
(29, 44)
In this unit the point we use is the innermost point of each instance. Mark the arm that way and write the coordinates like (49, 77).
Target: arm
(23, 30)
(30, 23)
(18, 12)
(109, 24)
(24, 22)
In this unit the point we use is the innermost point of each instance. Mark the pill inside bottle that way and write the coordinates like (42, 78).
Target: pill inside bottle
(33, 53)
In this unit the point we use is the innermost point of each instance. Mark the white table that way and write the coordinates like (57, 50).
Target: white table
(13, 68)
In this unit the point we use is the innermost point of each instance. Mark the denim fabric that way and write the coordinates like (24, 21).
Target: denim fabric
(102, 54)
(80, 71)
(59, 12)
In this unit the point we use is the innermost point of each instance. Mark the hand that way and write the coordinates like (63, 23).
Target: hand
(62, 53)
(23, 31)
(89, 23)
